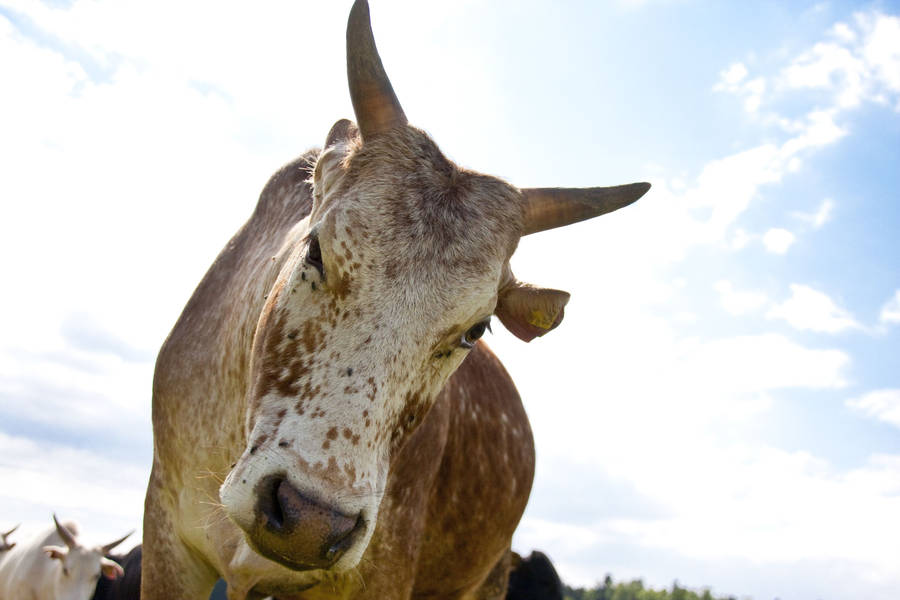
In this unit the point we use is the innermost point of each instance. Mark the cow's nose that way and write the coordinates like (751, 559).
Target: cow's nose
(299, 532)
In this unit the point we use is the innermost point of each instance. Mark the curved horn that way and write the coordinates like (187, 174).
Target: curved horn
(374, 102)
(546, 208)
(65, 534)
(8, 533)
(105, 549)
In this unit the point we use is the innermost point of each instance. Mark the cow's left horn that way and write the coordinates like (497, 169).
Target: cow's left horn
(9, 533)
(546, 208)
(65, 534)
(374, 101)
(112, 545)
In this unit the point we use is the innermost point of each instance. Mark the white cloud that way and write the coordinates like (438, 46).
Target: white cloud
(739, 302)
(734, 80)
(811, 310)
(883, 405)
(741, 239)
(890, 312)
(818, 218)
(843, 32)
(734, 74)
(100, 490)
(861, 64)
(778, 241)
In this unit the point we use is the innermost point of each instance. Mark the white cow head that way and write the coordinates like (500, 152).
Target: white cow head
(384, 288)
(81, 567)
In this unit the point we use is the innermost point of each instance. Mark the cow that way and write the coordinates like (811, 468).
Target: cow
(533, 578)
(127, 587)
(55, 566)
(5, 544)
(326, 421)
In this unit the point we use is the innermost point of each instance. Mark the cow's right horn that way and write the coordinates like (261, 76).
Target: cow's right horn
(10, 532)
(112, 545)
(374, 101)
(65, 534)
(546, 208)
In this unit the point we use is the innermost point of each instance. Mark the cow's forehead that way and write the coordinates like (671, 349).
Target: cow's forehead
(427, 210)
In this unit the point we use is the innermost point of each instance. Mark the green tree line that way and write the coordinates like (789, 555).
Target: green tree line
(635, 590)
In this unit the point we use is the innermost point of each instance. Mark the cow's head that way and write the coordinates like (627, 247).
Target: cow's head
(385, 288)
(5, 544)
(81, 567)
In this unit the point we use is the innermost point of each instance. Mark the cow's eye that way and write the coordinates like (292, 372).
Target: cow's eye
(472, 335)
(314, 254)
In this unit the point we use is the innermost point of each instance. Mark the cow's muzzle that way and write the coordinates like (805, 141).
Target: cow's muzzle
(297, 531)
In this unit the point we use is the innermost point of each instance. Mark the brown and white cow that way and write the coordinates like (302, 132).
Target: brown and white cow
(311, 439)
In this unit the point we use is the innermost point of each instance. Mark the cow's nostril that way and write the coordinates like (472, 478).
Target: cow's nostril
(341, 545)
(270, 504)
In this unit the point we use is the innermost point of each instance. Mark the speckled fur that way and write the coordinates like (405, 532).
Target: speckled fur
(335, 382)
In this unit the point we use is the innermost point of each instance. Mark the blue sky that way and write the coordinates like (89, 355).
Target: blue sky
(722, 403)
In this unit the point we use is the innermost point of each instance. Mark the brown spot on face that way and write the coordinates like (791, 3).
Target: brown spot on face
(350, 470)
(326, 445)
(347, 433)
(342, 286)
(332, 433)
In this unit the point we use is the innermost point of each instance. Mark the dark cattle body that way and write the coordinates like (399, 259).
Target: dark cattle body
(127, 587)
(534, 578)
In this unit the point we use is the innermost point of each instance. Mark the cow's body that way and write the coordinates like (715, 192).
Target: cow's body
(326, 423)
(455, 493)
(127, 587)
(53, 566)
(534, 578)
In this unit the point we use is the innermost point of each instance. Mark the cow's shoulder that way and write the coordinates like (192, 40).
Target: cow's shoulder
(484, 479)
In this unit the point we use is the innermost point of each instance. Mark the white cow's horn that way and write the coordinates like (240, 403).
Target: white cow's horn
(65, 534)
(112, 545)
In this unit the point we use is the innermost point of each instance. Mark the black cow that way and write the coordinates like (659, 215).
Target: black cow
(127, 587)
(534, 578)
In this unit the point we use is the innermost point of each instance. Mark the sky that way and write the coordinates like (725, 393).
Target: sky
(721, 405)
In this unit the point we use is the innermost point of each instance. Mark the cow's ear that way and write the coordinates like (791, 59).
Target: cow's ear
(57, 552)
(343, 130)
(111, 569)
(528, 311)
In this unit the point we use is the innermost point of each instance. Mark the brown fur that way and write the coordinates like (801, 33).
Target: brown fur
(456, 488)
(309, 384)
